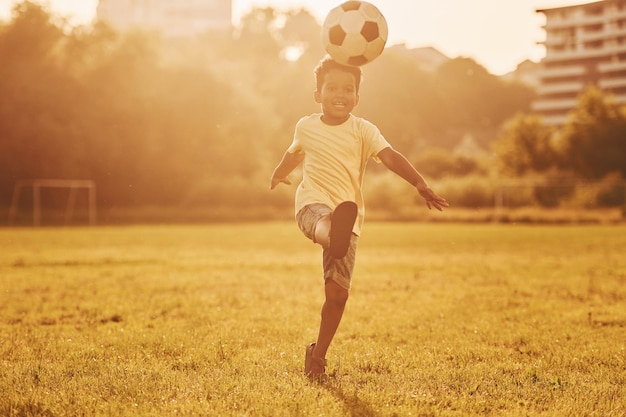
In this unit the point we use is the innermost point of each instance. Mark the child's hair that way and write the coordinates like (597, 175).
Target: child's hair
(327, 64)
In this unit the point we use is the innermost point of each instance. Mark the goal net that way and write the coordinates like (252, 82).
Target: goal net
(36, 186)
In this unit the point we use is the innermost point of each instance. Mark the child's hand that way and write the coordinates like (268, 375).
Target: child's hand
(276, 181)
(432, 199)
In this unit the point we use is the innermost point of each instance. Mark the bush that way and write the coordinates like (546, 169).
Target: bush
(550, 196)
(386, 192)
(610, 191)
(436, 163)
(470, 191)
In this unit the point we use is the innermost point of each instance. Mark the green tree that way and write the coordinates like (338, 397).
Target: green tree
(38, 133)
(478, 100)
(165, 122)
(417, 109)
(403, 100)
(593, 142)
(438, 163)
(525, 146)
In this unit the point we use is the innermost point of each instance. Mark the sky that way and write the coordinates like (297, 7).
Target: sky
(498, 34)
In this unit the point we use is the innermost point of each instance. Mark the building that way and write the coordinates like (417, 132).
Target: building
(585, 45)
(172, 18)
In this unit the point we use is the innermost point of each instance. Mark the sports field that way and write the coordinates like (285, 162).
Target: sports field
(443, 320)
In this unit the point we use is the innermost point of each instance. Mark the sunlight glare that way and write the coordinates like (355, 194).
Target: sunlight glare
(292, 53)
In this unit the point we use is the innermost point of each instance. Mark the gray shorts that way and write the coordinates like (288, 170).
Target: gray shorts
(339, 270)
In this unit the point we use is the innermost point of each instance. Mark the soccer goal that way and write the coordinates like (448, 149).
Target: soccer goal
(74, 186)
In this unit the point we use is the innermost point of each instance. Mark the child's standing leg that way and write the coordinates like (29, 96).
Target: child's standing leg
(318, 223)
(332, 312)
(338, 277)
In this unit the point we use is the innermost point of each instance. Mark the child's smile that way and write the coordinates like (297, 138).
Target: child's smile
(338, 97)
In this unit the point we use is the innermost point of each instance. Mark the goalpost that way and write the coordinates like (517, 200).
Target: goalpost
(38, 184)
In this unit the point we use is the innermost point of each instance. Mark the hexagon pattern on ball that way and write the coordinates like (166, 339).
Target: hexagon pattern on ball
(354, 33)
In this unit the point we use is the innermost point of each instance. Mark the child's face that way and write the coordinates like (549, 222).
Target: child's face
(338, 96)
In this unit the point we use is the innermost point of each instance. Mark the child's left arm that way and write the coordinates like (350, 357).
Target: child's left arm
(397, 163)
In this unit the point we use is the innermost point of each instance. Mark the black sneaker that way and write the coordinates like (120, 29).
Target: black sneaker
(341, 224)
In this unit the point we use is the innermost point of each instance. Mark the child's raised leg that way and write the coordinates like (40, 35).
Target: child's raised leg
(333, 231)
(322, 231)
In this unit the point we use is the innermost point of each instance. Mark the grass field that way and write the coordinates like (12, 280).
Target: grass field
(443, 320)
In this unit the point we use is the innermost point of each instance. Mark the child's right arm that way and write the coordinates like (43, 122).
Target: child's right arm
(289, 162)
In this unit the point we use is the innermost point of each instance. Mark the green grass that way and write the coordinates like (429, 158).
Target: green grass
(443, 320)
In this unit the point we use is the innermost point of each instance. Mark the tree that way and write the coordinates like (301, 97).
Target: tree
(593, 142)
(92, 103)
(525, 146)
(302, 31)
(37, 130)
(477, 98)
(164, 122)
(403, 101)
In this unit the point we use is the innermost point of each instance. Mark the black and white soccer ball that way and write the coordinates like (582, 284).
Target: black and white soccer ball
(354, 33)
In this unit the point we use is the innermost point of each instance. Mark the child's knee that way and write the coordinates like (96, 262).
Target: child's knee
(336, 293)
(322, 231)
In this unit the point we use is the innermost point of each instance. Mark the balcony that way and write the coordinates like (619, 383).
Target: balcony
(558, 40)
(594, 36)
(557, 72)
(554, 120)
(580, 54)
(612, 66)
(616, 33)
(552, 105)
(616, 14)
(561, 88)
(573, 21)
(609, 83)
(620, 98)
(583, 36)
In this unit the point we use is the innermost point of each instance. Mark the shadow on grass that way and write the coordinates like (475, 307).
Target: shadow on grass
(355, 406)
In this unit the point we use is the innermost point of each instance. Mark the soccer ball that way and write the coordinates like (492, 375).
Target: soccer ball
(354, 33)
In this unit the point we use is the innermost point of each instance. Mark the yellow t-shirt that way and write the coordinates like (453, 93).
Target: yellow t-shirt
(334, 161)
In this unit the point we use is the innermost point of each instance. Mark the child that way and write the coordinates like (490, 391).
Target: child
(334, 147)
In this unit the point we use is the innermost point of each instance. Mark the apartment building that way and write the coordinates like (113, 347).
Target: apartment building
(585, 45)
(171, 18)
